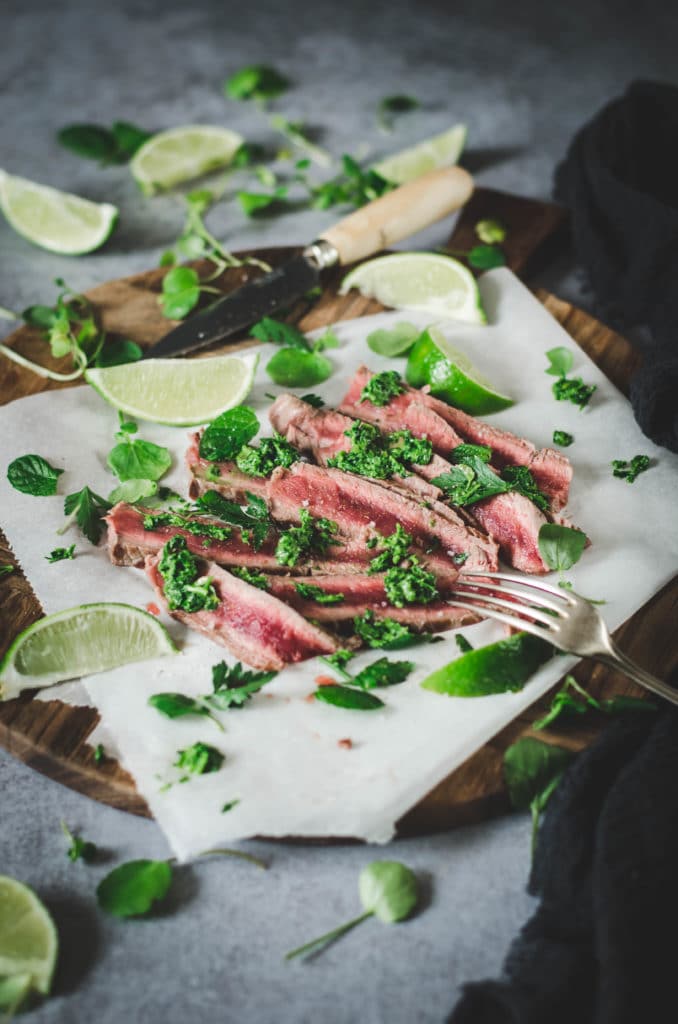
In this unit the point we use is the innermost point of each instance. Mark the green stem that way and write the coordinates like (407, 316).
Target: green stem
(41, 371)
(534, 810)
(7, 314)
(224, 852)
(324, 940)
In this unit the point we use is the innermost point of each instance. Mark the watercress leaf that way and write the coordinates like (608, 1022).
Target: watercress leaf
(129, 138)
(560, 546)
(396, 341)
(41, 317)
(382, 672)
(87, 508)
(118, 352)
(228, 433)
(139, 460)
(388, 890)
(131, 889)
(561, 361)
(486, 257)
(256, 81)
(176, 705)
(530, 766)
(280, 333)
(295, 369)
(490, 231)
(92, 141)
(180, 292)
(31, 474)
(344, 697)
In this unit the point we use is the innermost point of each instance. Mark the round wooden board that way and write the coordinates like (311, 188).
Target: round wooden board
(53, 737)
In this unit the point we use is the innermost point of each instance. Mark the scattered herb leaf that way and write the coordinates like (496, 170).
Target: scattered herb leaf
(131, 889)
(79, 848)
(136, 459)
(382, 672)
(178, 705)
(229, 806)
(199, 759)
(61, 554)
(256, 82)
(630, 470)
(228, 433)
(394, 341)
(347, 698)
(115, 145)
(520, 480)
(532, 771)
(561, 361)
(31, 474)
(255, 203)
(573, 389)
(132, 491)
(560, 546)
(562, 438)
(252, 519)
(87, 509)
(462, 643)
(315, 400)
(233, 686)
(390, 106)
(278, 332)
(292, 368)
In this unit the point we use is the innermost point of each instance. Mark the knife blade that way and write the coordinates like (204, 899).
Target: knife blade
(394, 216)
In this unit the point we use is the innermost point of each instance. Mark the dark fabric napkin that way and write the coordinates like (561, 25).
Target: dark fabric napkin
(601, 947)
(619, 180)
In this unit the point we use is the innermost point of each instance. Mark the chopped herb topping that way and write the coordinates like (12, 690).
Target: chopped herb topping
(381, 456)
(410, 584)
(573, 389)
(630, 470)
(386, 633)
(312, 536)
(262, 459)
(197, 527)
(562, 438)
(471, 479)
(255, 579)
(381, 388)
(307, 590)
(184, 587)
(394, 548)
(61, 554)
(199, 759)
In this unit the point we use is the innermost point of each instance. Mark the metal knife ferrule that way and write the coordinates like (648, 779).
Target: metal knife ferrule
(321, 253)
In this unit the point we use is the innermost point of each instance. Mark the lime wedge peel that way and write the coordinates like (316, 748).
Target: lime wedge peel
(81, 641)
(58, 221)
(439, 151)
(424, 281)
(449, 374)
(176, 392)
(182, 154)
(28, 938)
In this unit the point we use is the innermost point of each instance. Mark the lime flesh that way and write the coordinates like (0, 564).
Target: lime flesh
(181, 154)
(497, 668)
(450, 376)
(54, 220)
(176, 392)
(439, 151)
(423, 281)
(28, 938)
(80, 641)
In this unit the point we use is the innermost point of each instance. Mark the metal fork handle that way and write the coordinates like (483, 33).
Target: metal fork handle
(616, 659)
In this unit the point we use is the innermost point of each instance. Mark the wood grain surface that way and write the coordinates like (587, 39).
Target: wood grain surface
(53, 737)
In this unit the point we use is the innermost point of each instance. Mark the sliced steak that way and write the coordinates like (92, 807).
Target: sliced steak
(237, 484)
(551, 469)
(254, 625)
(514, 522)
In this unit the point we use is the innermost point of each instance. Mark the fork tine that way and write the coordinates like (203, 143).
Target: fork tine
(526, 581)
(512, 606)
(513, 591)
(509, 620)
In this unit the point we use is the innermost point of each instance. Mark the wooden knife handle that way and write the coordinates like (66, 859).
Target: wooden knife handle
(400, 213)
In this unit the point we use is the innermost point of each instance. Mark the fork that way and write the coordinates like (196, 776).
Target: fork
(561, 618)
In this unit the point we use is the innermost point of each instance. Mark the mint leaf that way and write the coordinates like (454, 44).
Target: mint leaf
(31, 474)
(228, 433)
(382, 672)
(131, 889)
(560, 546)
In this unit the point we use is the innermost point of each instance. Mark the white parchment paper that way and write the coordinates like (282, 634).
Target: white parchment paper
(283, 761)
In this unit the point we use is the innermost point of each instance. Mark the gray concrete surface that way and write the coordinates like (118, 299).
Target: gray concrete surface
(523, 77)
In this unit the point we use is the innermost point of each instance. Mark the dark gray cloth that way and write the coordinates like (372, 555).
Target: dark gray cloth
(599, 950)
(619, 180)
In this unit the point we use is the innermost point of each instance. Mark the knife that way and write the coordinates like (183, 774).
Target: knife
(370, 229)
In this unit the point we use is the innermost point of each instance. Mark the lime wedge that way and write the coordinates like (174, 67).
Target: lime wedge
(497, 668)
(176, 392)
(58, 221)
(80, 641)
(449, 374)
(28, 938)
(439, 151)
(180, 154)
(425, 281)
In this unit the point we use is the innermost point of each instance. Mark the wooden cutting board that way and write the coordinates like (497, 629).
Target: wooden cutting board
(53, 737)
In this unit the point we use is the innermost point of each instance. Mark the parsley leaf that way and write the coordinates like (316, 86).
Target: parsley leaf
(79, 848)
(262, 459)
(311, 593)
(560, 546)
(61, 554)
(562, 438)
(183, 586)
(131, 889)
(385, 633)
(228, 433)
(630, 470)
(312, 536)
(279, 333)
(382, 387)
(199, 759)
(31, 474)
(234, 686)
(394, 341)
(178, 705)
(252, 519)
(87, 509)
(561, 361)
(348, 698)
(410, 584)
